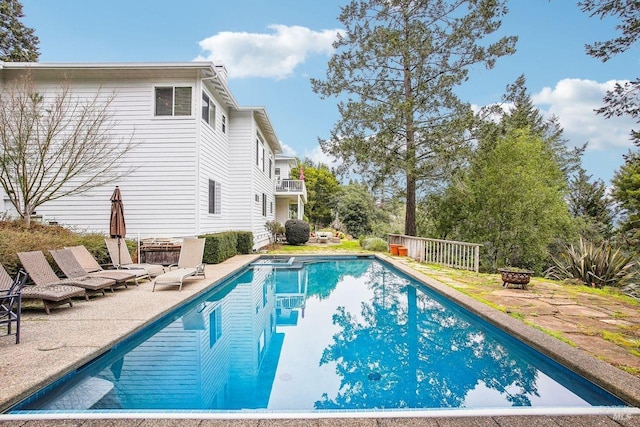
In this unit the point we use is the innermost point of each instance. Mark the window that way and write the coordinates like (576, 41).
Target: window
(270, 207)
(257, 152)
(224, 124)
(264, 204)
(262, 159)
(173, 101)
(215, 196)
(208, 110)
(270, 166)
(215, 326)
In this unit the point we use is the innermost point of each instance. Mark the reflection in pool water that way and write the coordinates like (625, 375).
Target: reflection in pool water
(326, 335)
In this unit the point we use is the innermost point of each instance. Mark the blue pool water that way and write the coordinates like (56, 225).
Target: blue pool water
(339, 334)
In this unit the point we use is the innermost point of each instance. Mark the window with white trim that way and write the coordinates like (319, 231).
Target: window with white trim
(173, 101)
(215, 197)
(208, 110)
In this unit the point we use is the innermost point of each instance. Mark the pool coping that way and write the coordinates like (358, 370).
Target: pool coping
(620, 383)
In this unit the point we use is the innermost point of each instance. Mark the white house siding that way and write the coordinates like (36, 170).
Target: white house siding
(215, 164)
(263, 185)
(247, 181)
(159, 193)
(165, 192)
(241, 194)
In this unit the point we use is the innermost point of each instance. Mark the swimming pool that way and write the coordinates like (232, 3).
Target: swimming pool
(347, 334)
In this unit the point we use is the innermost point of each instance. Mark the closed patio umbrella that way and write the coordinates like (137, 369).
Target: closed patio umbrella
(117, 226)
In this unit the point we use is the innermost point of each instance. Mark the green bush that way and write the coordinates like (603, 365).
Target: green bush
(40, 237)
(296, 231)
(219, 247)
(594, 265)
(374, 244)
(245, 242)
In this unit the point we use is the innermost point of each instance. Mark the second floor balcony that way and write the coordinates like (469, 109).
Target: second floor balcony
(291, 187)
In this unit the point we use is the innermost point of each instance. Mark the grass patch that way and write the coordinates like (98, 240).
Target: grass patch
(555, 334)
(620, 339)
(344, 246)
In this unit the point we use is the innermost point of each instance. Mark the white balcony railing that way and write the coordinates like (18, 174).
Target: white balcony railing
(291, 186)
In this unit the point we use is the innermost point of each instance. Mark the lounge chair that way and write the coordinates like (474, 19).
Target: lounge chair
(72, 269)
(123, 259)
(50, 295)
(10, 305)
(42, 274)
(189, 264)
(92, 267)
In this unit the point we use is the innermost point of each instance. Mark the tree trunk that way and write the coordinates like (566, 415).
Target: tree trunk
(410, 212)
(26, 216)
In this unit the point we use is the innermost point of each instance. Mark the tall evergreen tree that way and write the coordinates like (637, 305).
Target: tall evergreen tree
(18, 43)
(397, 64)
(521, 114)
(514, 202)
(626, 192)
(589, 203)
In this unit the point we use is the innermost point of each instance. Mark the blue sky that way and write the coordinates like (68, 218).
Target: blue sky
(272, 47)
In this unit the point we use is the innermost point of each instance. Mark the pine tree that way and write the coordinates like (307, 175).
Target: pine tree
(17, 42)
(396, 65)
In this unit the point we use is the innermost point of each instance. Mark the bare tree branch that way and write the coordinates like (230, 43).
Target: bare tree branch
(56, 144)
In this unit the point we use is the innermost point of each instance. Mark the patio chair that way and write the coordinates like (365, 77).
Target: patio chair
(72, 269)
(189, 264)
(50, 295)
(123, 259)
(11, 305)
(41, 273)
(91, 266)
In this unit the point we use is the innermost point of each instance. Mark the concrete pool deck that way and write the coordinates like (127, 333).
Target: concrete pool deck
(68, 338)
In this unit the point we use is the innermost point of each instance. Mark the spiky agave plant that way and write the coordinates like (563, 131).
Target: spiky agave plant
(594, 265)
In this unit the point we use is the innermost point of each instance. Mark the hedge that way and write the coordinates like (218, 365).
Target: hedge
(221, 246)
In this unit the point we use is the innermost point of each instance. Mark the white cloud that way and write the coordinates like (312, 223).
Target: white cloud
(287, 150)
(573, 101)
(319, 156)
(272, 55)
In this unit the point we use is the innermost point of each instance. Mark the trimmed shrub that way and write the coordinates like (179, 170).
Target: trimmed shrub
(219, 246)
(245, 242)
(296, 231)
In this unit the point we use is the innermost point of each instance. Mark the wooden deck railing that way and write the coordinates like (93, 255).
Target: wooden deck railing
(461, 255)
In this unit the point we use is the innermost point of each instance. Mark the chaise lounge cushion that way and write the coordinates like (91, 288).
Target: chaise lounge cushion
(51, 295)
(72, 269)
(91, 266)
(36, 264)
